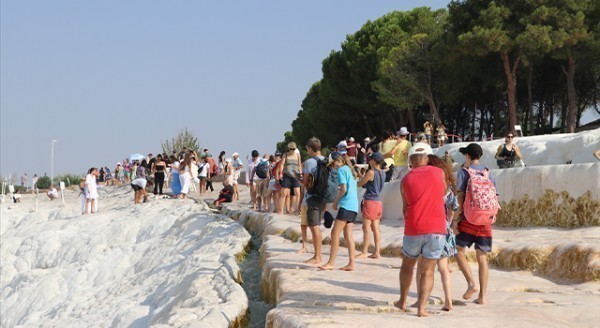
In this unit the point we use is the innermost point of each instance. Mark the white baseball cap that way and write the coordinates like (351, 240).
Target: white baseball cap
(420, 148)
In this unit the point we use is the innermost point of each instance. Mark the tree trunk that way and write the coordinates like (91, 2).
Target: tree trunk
(411, 119)
(511, 88)
(473, 123)
(367, 126)
(529, 119)
(571, 94)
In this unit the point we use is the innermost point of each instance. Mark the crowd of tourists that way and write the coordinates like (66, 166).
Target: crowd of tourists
(438, 222)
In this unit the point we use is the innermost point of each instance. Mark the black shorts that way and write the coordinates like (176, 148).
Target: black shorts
(136, 187)
(345, 215)
(290, 183)
(314, 211)
(483, 244)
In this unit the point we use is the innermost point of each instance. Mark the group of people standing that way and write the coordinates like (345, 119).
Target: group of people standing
(436, 227)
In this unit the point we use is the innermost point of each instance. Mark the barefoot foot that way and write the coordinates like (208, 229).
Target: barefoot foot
(423, 313)
(312, 260)
(480, 300)
(327, 267)
(374, 256)
(348, 268)
(470, 291)
(399, 305)
(361, 256)
(301, 251)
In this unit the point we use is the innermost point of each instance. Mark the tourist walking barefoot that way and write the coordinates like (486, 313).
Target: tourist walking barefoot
(451, 205)
(290, 167)
(422, 191)
(237, 169)
(372, 208)
(203, 172)
(347, 202)
(185, 175)
(92, 190)
(314, 205)
(469, 233)
(159, 174)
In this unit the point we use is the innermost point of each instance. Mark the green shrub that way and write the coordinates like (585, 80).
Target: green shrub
(68, 179)
(44, 182)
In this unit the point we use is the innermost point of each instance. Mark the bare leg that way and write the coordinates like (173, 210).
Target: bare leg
(304, 230)
(285, 192)
(377, 238)
(428, 265)
(483, 276)
(446, 283)
(465, 268)
(406, 276)
(338, 226)
(317, 239)
(350, 245)
(294, 200)
(366, 227)
(93, 206)
(418, 279)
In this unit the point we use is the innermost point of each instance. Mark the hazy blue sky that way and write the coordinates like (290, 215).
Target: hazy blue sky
(111, 78)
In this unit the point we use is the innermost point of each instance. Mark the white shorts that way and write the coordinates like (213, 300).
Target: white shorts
(140, 183)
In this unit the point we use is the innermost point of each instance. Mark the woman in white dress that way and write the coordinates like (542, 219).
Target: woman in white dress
(185, 175)
(92, 190)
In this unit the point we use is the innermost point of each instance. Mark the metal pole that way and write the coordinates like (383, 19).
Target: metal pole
(52, 163)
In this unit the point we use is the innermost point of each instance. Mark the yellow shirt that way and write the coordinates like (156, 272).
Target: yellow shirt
(385, 147)
(401, 154)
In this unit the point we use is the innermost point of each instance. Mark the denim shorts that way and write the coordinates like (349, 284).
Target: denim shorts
(429, 246)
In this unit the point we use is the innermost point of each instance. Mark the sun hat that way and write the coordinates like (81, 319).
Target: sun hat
(235, 154)
(420, 148)
(228, 160)
(367, 139)
(403, 131)
(342, 144)
(278, 153)
(472, 150)
(351, 139)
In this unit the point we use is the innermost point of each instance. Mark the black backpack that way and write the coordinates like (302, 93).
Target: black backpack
(261, 169)
(324, 183)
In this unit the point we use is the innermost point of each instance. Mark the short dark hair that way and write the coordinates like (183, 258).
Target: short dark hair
(314, 144)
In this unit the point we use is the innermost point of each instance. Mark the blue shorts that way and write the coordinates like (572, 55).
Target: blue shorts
(429, 246)
(289, 183)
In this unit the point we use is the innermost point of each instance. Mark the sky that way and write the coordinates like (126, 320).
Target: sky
(106, 79)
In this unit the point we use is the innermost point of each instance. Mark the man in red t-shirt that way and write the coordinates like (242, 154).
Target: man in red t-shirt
(423, 190)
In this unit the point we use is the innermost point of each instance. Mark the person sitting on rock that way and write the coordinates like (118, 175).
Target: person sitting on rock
(226, 194)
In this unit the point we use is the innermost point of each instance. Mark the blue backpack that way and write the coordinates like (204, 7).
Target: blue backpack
(261, 169)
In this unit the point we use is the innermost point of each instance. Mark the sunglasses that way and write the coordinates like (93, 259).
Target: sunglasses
(510, 137)
(291, 149)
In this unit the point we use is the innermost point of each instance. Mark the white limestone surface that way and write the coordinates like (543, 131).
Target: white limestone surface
(164, 263)
(548, 149)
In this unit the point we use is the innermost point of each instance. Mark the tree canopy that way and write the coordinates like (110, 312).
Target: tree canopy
(478, 67)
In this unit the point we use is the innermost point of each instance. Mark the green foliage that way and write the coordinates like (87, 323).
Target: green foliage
(184, 138)
(68, 179)
(478, 67)
(44, 182)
